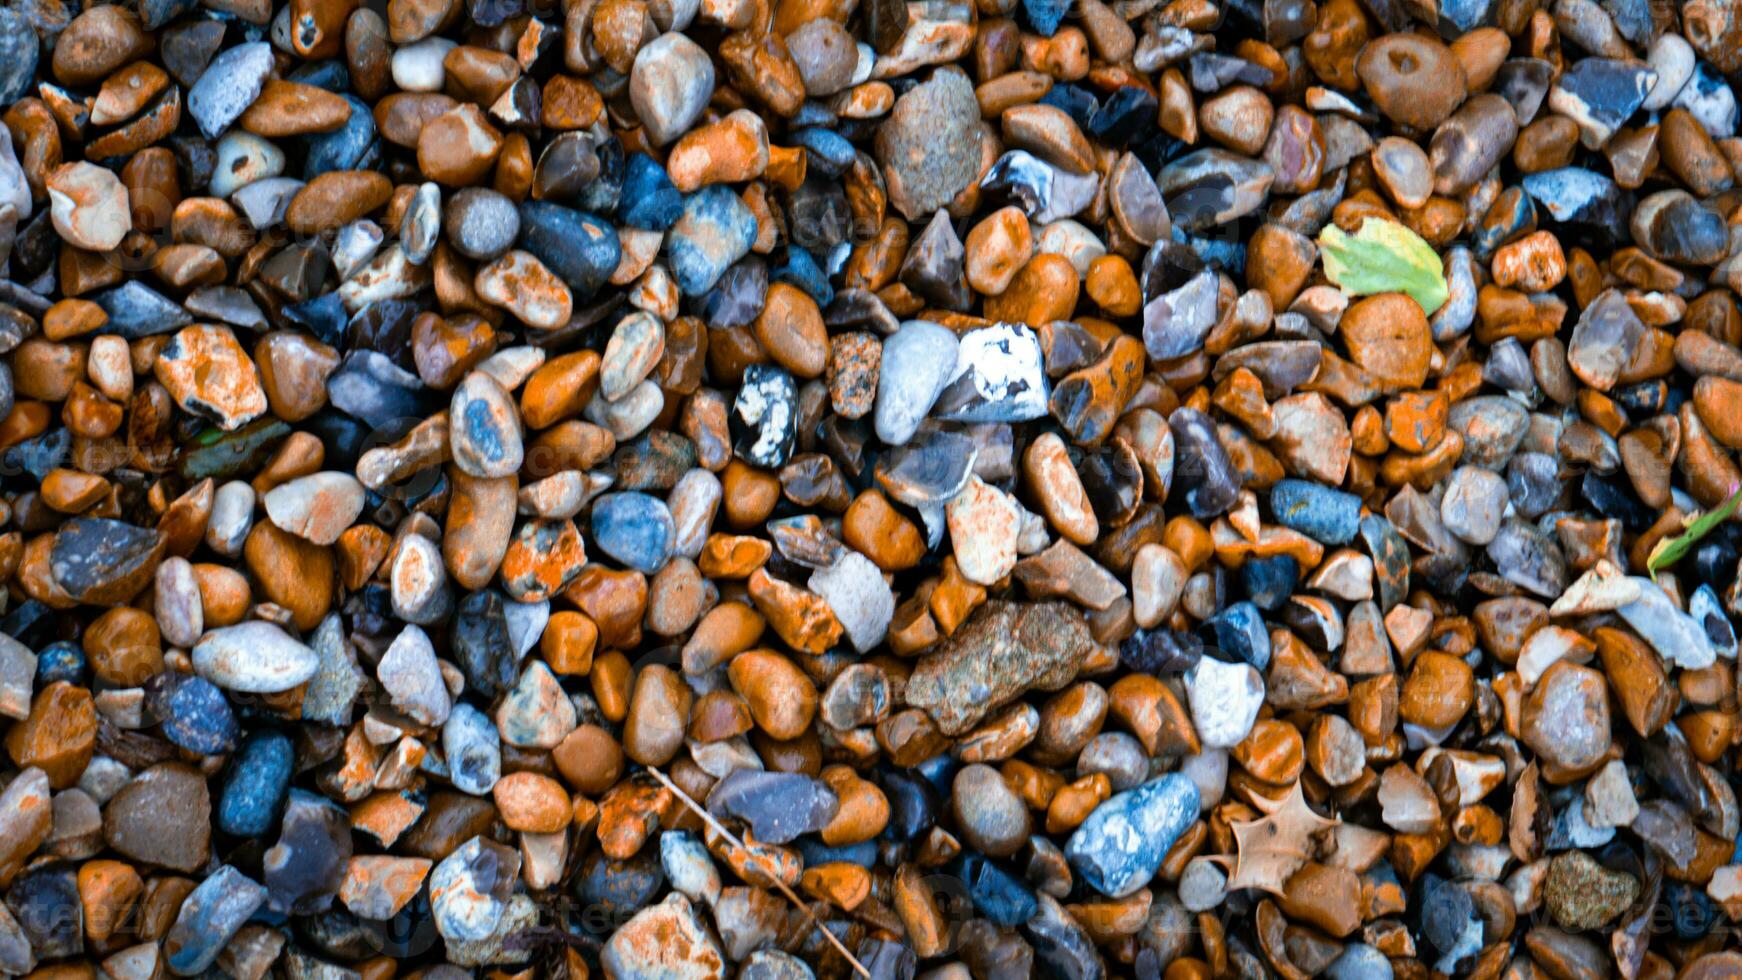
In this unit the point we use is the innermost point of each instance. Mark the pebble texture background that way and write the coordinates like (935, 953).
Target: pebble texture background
(791, 489)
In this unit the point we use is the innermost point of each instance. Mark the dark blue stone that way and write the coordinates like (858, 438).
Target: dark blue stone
(996, 893)
(635, 529)
(738, 296)
(352, 146)
(490, 13)
(346, 438)
(193, 712)
(1270, 580)
(794, 266)
(324, 316)
(40, 454)
(1691, 912)
(1444, 912)
(19, 49)
(30, 623)
(1614, 498)
(1203, 475)
(1238, 633)
(580, 248)
(1126, 114)
(136, 310)
(829, 152)
(370, 387)
(716, 230)
(62, 661)
(481, 644)
(45, 902)
(604, 193)
(913, 805)
(617, 889)
(314, 845)
(650, 200)
(255, 785)
(814, 852)
(330, 74)
(1045, 15)
(1646, 397)
(1715, 557)
(1161, 650)
(385, 327)
(1325, 514)
(1074, 101)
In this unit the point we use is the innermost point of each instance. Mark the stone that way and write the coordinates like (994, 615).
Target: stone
(1675, 635)
(917, 364)
(984, 522)
(211, 914)
(1581, 894)
(255, 787)
(88, 205)
(715, 230)
(411, 677)
(161, 818)
(669, 86)
(668, 939)
(635, 529)
(855, 590)
(192, 713)
(580, 248)
(472, 749)
(929, 147)
(1154, 814)
(765, 414)
(778, 807)
(469, 889)
(208, 374)
(1176, 323)
(1003, 649)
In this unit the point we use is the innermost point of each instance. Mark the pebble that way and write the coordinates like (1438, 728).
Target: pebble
(1153, 815)
(409, 673)
(210, 916)
(253, 657)
(256, 786)
(928, 147)
(228, 86)
(1225, 698)
(714, 230)
(917, 363)
(634, 529)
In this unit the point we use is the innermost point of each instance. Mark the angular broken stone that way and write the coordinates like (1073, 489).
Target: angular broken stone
(1005, 648)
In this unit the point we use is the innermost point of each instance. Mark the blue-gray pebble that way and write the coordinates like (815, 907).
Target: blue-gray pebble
(715, 230)
(635, 529)
(1325, 514)
(1118, 849)
(254, 789)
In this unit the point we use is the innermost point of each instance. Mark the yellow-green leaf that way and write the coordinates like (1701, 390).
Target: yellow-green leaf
(1668, 551)
(1384, 257)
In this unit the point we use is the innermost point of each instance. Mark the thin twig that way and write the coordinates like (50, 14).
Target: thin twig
(767, 868)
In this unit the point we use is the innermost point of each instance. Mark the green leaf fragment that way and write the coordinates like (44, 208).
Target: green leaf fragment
(1668, 551)
(1384, 257)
